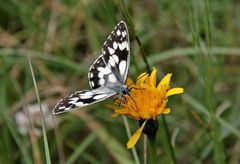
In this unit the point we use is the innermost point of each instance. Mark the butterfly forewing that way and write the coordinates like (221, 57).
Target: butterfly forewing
(111, 68)
(116, 52)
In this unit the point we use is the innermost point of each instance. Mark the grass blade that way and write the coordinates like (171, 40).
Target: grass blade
(46, 148)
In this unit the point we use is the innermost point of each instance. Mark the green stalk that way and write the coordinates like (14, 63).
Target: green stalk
(46, 148)
(145, 150)
(153, 150)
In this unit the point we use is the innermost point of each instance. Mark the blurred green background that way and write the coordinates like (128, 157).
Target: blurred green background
(196, 40)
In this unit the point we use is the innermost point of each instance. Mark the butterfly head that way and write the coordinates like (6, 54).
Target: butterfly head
(124, 90)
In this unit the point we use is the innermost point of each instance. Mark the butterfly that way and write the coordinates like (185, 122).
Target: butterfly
(107, 75)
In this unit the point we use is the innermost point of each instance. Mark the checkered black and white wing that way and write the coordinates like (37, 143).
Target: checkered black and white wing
(82, 98)
(116, 51)
(111, 68)
(99, 73)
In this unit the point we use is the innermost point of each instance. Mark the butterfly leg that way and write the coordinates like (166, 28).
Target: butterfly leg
(133, 100)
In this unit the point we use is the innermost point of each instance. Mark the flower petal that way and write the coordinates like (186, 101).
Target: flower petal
(133, 140)
(114, 115)
(165, 81)
(174, 91)
(153, 77)
(129, 81)
(166, 111)
(141, 78)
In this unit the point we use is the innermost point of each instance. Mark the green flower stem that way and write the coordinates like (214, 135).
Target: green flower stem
(150, 130)
(145, 150)
(153, 150)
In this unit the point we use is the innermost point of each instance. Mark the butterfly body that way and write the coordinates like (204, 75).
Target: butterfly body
(107, 75)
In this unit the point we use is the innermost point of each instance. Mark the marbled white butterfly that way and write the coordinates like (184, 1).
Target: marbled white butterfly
(106, 76)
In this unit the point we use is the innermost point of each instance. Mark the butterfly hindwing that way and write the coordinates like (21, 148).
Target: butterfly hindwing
(99, 73)
(82, 98)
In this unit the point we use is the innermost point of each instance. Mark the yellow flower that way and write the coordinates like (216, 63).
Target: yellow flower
(146, 100)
